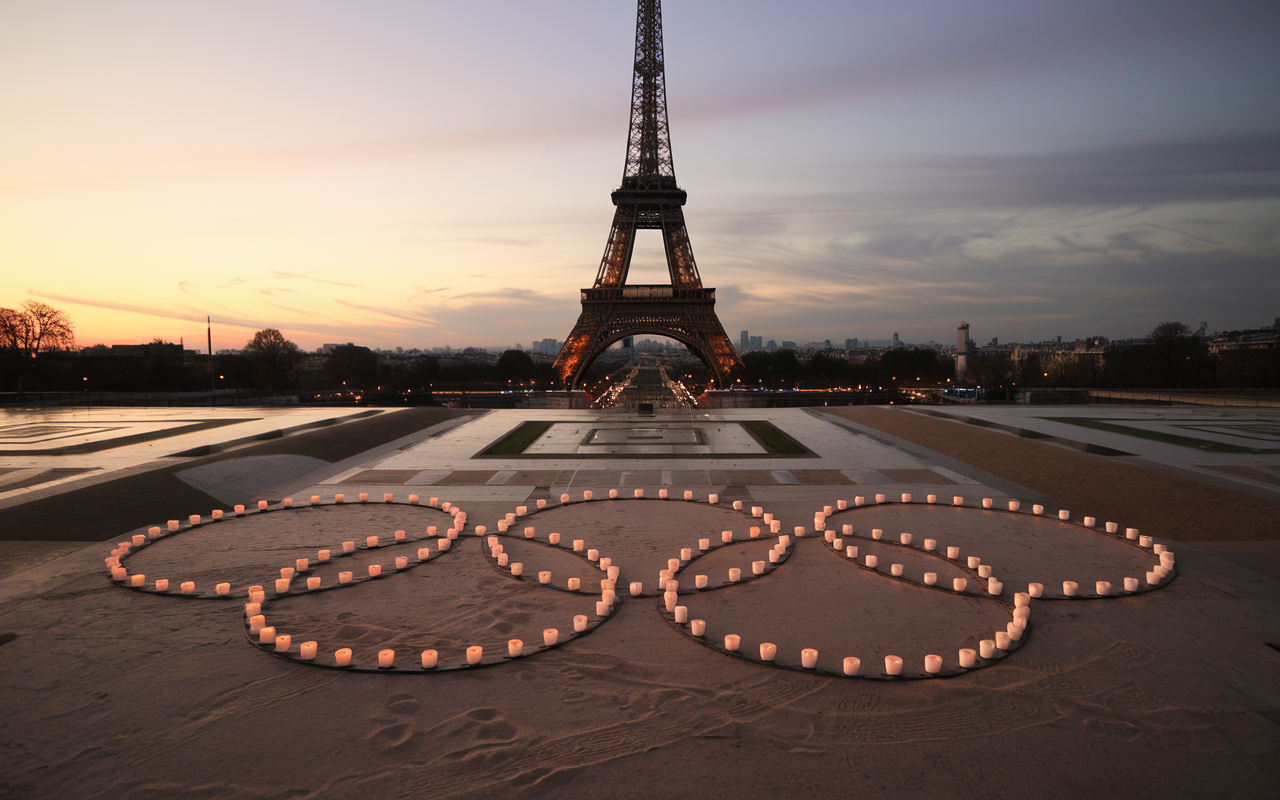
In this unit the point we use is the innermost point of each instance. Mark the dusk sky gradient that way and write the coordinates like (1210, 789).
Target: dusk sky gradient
(421, 174)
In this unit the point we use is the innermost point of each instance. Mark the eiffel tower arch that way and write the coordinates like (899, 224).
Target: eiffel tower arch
(648, 198)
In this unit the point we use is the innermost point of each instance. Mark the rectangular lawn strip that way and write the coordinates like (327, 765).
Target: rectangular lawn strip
(515, 442)
(773, 439)
(1158, 436)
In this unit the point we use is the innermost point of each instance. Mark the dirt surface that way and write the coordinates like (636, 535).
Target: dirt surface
(1165, 506)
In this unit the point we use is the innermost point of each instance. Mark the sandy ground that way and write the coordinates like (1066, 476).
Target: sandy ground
(113, 693)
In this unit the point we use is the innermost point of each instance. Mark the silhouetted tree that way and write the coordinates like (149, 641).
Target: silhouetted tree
(514, 365)
(29, 331)
(276, 356)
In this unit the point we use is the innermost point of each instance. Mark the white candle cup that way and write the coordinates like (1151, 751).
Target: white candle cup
(1069, 588)
(287, 573)
(343, 657)
(959, 584)
(267, 634)
(322, 555)
(957, 500)
(681, 614)
(1153, 578)
(735, 575)
(905, 538)
(808, 658)
(892, 665)
(851, 551)
(1131, 534)
(837, 544)
(673, 564)
(1022, 612)
(580, 623)
(313, 583)
(688, 495)
(1102, 588)
(636, 588)
(515, 648)
(429, 659)
(756, 511)
(587, 495)
(542, 503)
(859, 500)
(474, 653)
(1002, 640)
(670, 599)
(877, 533)
(375, 570)
(968, 658)
(344, 577)
(1037, 509)
(256, 595)
(930, 578)
(529, 532)
(1064, 515)
(315, 499)
(257, 622)
(933, 664)
(162, 584)
(984, 570)
(607, 584)
(1131, 584)
(139, 540)
(1167, 558)
(1014, 630)
(994, 587)
(700, 581)
(713, 499)
(931, 544)
(784, 540)
(1015, 505)
(987, 502)
(564, 498)
(775, 526)
(172, 525)
(554, 538)
(613, 572)
(593, 555)
(987, 648)
(638, 493)
(193, 520)
(973, 562)
(737, 505)
(302, 564)
(895, 570)
(550, 636)
(602, 608)
(402, 562)
(662, 494)
(575, 584)
(757, 567)
(348, 547)
(1035, 589)
(1158, 549)
(1090, 522)
(880, 498)
(852, 666)
(906, 497)
(686, 553)
(520, 510)
(517, 569)
(704, 545)
(697, 627)
(754, 532)
(222, 589)
(726, 536)
(578, 544)
(609, 596)
(444, 544)
(1162, 570)
(773, 556)
(768, 651)
(829, 536)
(732, 641)
(399, 536)
(871, 561)
(604, 563)
(282, 585)
(187, 587)
(337, 498)
(493, 543)
(282, 642)
(1021, 600)
(953, 553)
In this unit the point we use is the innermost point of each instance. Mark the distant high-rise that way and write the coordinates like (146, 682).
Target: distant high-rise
(757, 342)
(850, 344)
(963, 346)
(895, 339)
(745, 340)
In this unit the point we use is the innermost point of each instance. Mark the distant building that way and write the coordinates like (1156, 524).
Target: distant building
(757, 342)
(772, 345)
(850, 344)
(326, 349)
(745, 341)
(963, 346)
(895, 339)
(788, 345)
(826, 344)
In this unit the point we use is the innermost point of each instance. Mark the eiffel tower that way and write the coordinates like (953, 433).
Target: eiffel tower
(648, 198)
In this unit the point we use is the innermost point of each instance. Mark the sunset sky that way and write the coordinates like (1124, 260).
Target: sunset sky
(419, 174)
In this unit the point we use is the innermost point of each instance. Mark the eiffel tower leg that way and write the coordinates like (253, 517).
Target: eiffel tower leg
(617, 252)
(675, 239)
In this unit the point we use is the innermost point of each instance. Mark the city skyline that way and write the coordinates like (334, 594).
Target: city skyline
(391, 175)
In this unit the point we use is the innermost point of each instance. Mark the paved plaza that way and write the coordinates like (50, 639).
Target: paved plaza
(843, 538)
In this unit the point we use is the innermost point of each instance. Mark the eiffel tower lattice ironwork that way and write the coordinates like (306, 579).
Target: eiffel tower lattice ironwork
(648, 198)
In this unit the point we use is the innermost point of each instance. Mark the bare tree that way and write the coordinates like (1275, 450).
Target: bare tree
(277, 355)
(33, 329)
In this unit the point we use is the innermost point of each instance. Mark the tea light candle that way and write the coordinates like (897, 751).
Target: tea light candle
(587, 495)
(808, 658)
(1035, 589)
(756, 511)
(700, 581)
(194, 520)
(593, 555)
(1131, 534)
(906, 497)
(768, 651)
(1159, 549)
(830, 536)
(953, 553)
(773, 556)
(737, 505)
(282, 585)
(1021, 600)
(344, 577)
(852, 666)
(784, 541)
(554, 538)
(520, 510)
(550, 636)
(1131, 584)
(602, 608)
(322, 556)
(713, 499)
(173, 525)
(895, 570)
(542, 503)
(1144, 541)
(375, 570)
(877, 533)
(639, 493)
(256, 621)
(984, 570)
(731, 641)
(444, 544)
(605, 561)
(704, 545)
(607, 584)
(544, 577)
(1064, 515)
(957, 500)
(402, 562)
(686, 553)
(994, 587)
(187, 587)
(574, 584)
(892, 665)
(681, 614)
(578, 544)
(429, 659)
(1014, 505)
(315, 499)
(726, 536)
(842, 504)
(267, 634)
(139, 540)
(930, 578)
(286, 573)
(282, 642)
(1022, 612)
(1002, 640)
(757, 567)
(474, 653)
(933, 664)
(879, 498)
(930, 544)
(1037, 509)
(1153, 578)
(515, 648)
(735, 574)
(580, 623)
(987, 502)
(1069, 588)
(959, 584)
(859, 500)
(348, 547)
(313, 583)
(1090, 522)
(162, 584)
(974, 561)
(517, 568)
(754, 532)
(662, 494)
(564, 498)
(837, 544)
(670, 599)
(399, 536)
(871, 561)
(529, 532)
(222, 589)
(987, 648)
(343, 657)
(851, 551)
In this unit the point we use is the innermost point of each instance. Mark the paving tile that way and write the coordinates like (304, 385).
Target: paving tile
(394, 477)
(926, 476)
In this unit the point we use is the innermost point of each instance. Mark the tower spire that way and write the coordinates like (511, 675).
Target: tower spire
(649, 163)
